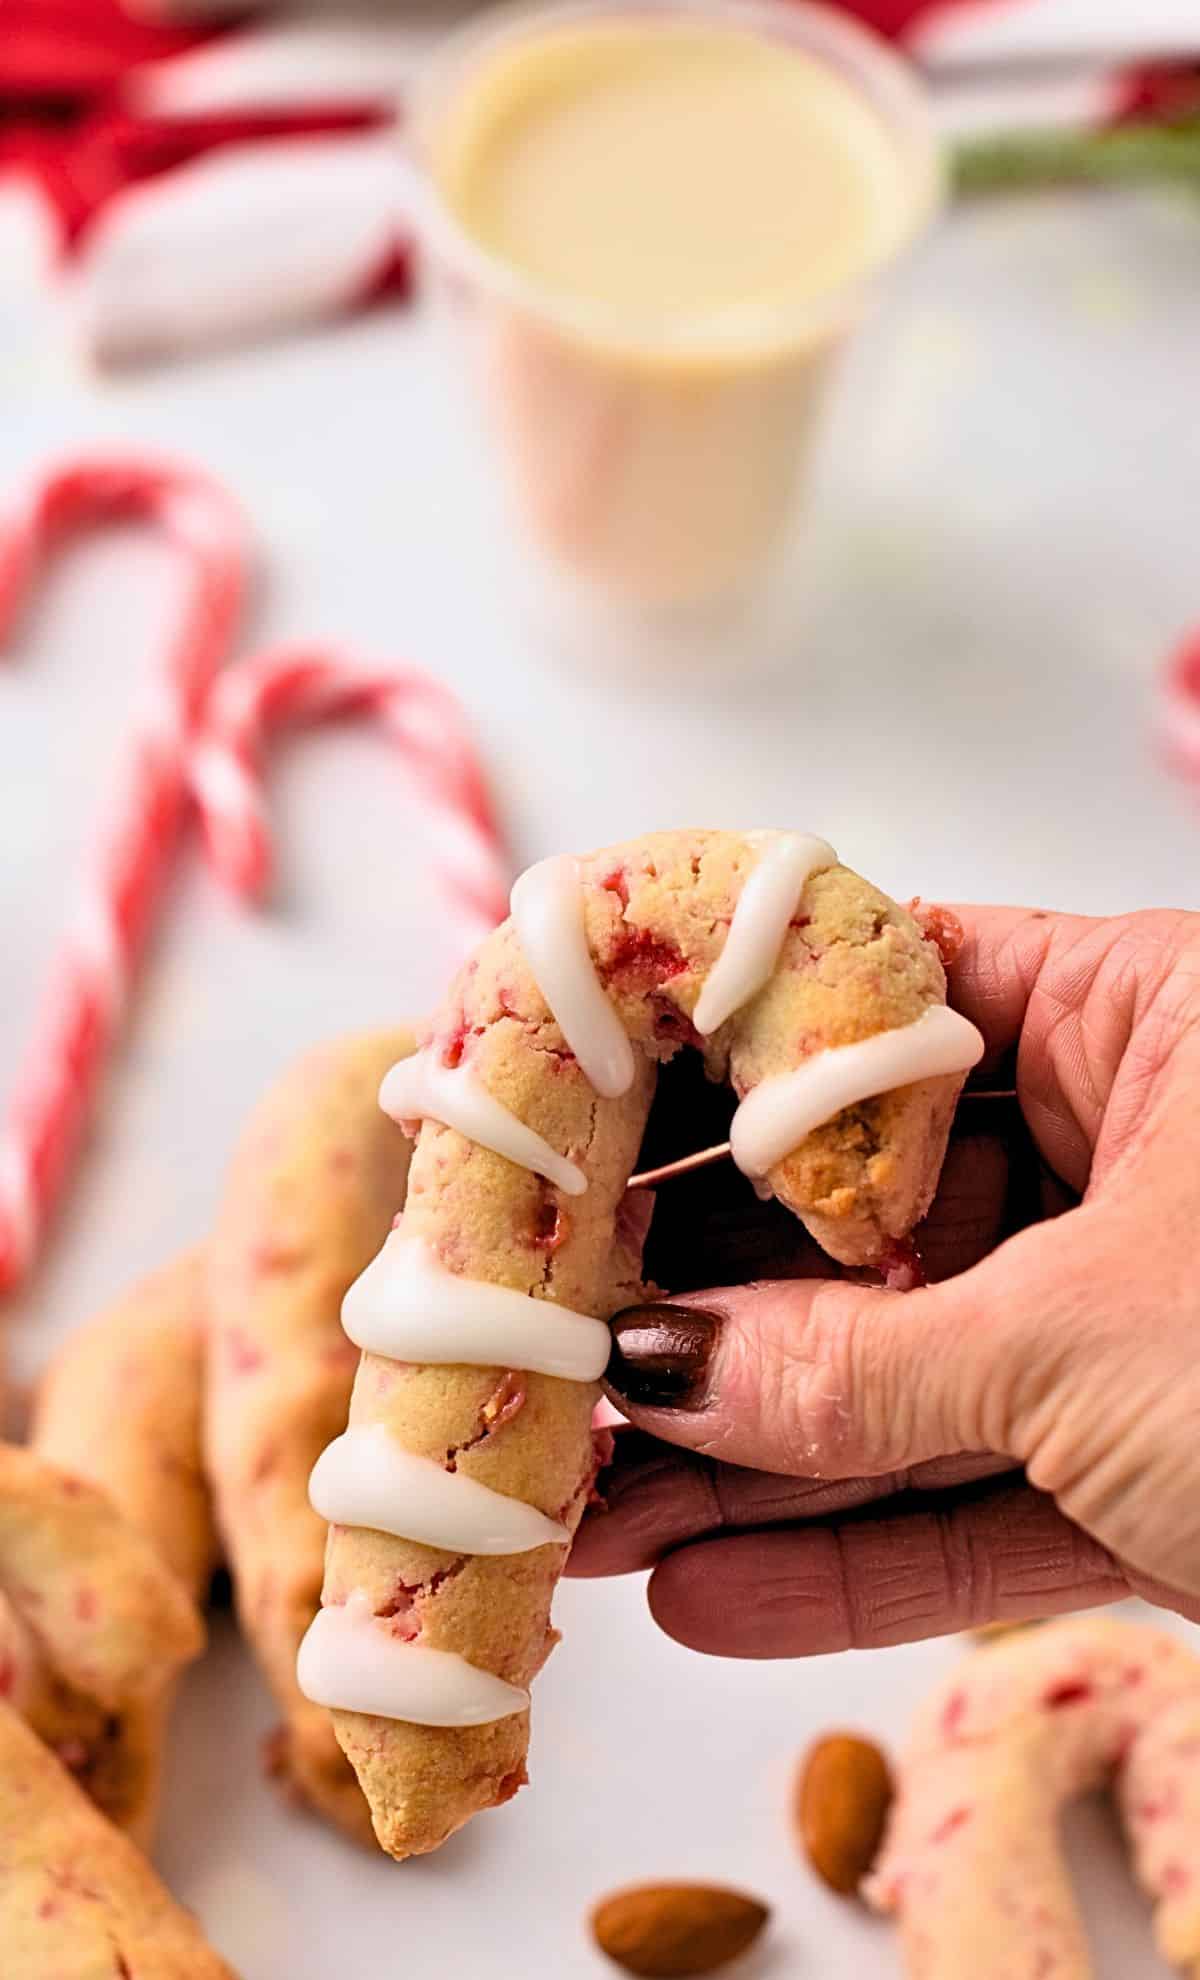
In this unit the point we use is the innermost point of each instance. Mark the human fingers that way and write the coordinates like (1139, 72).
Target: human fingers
(999, 1551)
(1071, 995)
(653, 1499)
(826, 1378)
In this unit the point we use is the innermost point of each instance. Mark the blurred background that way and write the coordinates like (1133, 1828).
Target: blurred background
(964, 661)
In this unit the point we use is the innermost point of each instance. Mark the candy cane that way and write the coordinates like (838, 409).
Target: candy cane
(420, 718)
(91, 973)
(1179, 707)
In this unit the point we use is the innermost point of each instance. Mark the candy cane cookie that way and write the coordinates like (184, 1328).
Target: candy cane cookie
(78, 1901)
(468, 1459)
(94, 1628)
(312, 1189)
(119, 1407)
(972, 1866)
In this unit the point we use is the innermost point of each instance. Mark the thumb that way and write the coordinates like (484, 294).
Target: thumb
(824, 1378)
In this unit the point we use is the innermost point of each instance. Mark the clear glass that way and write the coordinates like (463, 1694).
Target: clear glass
(658, 467)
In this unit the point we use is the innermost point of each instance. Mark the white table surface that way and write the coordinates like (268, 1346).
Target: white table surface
(1003, 545)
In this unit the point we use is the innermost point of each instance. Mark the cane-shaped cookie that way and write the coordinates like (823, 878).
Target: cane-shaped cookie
(314, 1184)
(972, 1865)
(469, 1457)
(119, 1408)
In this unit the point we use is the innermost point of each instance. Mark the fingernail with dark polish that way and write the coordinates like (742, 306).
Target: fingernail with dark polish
(661, 1355)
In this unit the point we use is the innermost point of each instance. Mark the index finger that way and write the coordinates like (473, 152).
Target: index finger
(994, 973)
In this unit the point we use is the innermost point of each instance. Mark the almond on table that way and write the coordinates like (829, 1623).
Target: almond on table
(843, 1793)
(662, 1931)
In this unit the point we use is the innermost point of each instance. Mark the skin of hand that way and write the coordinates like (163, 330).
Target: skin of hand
(816, 1464)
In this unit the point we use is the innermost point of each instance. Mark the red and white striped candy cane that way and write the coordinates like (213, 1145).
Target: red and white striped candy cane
(1179, 707)
(422, 719)
(130, 853)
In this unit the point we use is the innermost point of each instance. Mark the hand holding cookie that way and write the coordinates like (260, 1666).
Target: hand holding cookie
(846, 1470)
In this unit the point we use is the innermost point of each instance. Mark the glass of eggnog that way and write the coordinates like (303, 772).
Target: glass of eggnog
(658, 221)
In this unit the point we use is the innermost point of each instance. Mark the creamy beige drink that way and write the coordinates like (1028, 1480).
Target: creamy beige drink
(669, 216)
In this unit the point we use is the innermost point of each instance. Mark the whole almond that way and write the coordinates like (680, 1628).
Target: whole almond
(843, 1793)
(666, 1930)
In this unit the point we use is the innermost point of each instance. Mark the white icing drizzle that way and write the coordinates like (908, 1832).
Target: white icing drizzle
(422, 1088)
(408, 1307)
(365, 1478)
(774, 1118)
(351, 1661)
(768, 901)
(547, 911)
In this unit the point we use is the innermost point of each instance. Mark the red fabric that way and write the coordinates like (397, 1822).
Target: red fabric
(897, 18)
(81, 170)
(71, 51)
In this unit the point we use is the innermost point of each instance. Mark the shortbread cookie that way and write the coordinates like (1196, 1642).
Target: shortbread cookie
(94, 1630)
(119, 1408)
(317, 1177)
(78, 1901)
(469, 1456)
(972, 1865)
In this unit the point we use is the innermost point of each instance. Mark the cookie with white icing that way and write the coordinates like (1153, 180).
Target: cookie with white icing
(823, 1004)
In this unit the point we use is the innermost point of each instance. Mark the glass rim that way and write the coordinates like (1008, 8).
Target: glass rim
(866, 61)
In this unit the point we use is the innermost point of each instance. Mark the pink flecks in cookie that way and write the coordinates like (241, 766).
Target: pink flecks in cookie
(939, 926)
(617, 882)
(954, 1712)
(452, 1043)
(901, 1266)
(277, 1254)
(641, 959)
(506, 1401)
(1158, 1807)
(86, 1604)
(550, 1223)
(243, 1355)
(951, 1824)
(400, 1610)
(1069, 1691)
(382, 1375)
